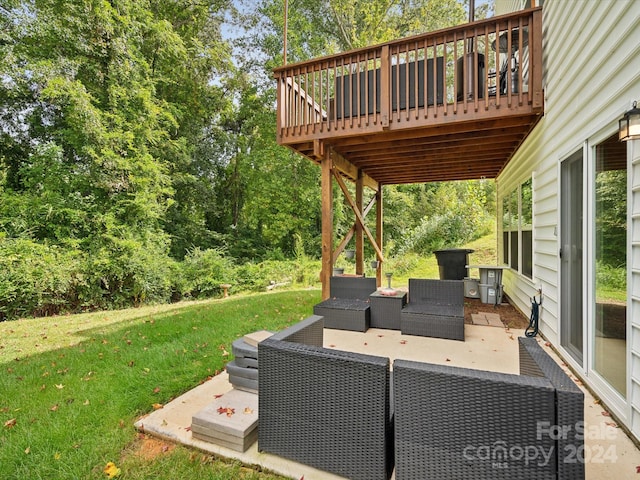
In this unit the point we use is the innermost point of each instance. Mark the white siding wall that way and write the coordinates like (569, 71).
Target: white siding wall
(591, 75)
(508, 6)
(633, 330)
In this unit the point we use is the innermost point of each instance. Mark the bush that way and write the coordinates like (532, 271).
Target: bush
(611, 278)
(124, 272)
(451, 229)
(203, 271)
(35, 279)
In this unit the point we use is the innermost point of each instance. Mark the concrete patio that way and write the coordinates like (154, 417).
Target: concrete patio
(609, 453)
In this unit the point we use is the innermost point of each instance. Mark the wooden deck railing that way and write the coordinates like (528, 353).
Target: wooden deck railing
(478, 70)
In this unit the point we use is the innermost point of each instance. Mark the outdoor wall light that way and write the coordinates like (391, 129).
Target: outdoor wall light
(630, 124)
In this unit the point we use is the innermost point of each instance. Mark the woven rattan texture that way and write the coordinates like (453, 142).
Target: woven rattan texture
(435, 309)
(570, 407)
(326, 408)
(467, 424)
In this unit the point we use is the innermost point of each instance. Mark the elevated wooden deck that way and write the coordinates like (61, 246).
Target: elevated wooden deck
(453, 104)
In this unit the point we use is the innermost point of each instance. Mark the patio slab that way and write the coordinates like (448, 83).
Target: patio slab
(491, 319)
(609, 452)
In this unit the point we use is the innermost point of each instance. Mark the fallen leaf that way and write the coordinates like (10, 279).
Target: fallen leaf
(86, 402)
(403, 342)
(225, 353)
(332, 345)
(365, 344)
(27, 450)
(248, 411)
(11, 423)
(157, 406)
(218, 395)
(380, 336)
(59, 386)
(54, 408)
(57, 456)
(111, 470)
(606, 414)
(228, 410)
(188, 429)
(156, 390)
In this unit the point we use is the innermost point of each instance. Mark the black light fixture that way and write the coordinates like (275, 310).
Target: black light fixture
(630, 124)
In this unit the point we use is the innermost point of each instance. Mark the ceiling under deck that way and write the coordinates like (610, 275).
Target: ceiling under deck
(458, 151)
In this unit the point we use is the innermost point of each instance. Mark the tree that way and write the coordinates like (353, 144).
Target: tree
(102, 104)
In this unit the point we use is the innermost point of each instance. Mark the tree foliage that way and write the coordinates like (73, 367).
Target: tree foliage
(138, 157)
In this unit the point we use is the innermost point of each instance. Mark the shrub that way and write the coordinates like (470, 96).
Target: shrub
(124, 272)
(34, 278)
(203, 271)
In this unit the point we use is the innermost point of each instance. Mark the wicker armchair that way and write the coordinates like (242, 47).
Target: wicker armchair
(435, 309)
(326, 408)
(468, 424)
(348, 306)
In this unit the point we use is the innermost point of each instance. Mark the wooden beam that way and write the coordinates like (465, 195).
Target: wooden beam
(351, 171)
(359, 230)
(537, 63)
(358, 215)
(327, 224)
(379, 237)
(349, 235)
(318, 149)
(345, 241)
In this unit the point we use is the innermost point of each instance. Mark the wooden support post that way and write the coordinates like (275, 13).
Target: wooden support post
(327, 223)
(385, 87)
(379, 233)
(359, 229)
(535, 67)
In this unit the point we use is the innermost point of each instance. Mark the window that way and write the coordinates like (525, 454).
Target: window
(517, 229)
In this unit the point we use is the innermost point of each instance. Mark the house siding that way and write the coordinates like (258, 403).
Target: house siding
(633, 333)
(591, 75)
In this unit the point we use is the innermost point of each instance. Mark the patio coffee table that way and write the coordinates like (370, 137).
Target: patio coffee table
(385, 309)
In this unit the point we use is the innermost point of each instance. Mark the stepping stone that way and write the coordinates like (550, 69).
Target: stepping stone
(490, 319)
(255, 338)
(230, 421)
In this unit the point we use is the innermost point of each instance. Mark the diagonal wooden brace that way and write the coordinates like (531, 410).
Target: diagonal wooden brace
(358, 214)
(349, 235)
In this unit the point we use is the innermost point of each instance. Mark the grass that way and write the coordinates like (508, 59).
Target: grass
(68, 401)
(426, 266)
(72, 386)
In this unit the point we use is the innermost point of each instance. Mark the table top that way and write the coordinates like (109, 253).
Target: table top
(399, 294)
(489, 267)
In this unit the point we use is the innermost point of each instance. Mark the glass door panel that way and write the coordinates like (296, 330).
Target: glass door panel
(571, 247)
(609, 355)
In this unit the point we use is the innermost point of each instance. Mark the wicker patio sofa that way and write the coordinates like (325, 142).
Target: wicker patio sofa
(435, 308)
(325, 408)
(348, 307)
(467, 424)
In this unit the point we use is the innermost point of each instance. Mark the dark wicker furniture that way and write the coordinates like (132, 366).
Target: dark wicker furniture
(348, 305)
(385, 309)
(435, 309)
(468, 424)
(325, 408)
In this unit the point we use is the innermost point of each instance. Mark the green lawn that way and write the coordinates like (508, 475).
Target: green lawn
(72, 386)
